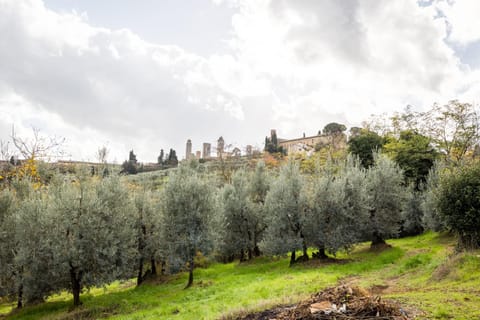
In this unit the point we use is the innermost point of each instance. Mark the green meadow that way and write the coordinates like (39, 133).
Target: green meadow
(422, 273)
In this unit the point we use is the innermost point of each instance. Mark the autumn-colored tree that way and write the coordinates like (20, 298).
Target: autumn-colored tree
(32, 149)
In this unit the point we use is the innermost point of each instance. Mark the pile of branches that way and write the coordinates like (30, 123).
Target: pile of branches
(340, 303)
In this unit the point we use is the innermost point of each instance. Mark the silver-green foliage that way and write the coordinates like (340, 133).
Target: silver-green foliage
(355, 200)
(26, 258)
(241, 219)
(147, 228)
(432, 218)
(93, 234)
(35, 252)
(237, 216)
(285, 206)
(27, 255)
(385, 196)
(258, 188)
(324, 206)
(7, 241)
(413, 213)
(337, 204)
(188, 207)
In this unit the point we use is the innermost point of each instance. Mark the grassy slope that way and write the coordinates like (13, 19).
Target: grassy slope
(417, 271)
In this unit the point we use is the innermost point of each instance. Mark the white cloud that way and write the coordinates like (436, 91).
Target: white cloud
(462, 17)
(293, 65)
(108, 80)
(346, 58)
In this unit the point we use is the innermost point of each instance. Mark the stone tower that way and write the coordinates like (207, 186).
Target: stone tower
(206, 150)
(220, 146)
(188, 153)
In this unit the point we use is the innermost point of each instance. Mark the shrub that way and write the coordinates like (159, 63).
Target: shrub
(459, 204)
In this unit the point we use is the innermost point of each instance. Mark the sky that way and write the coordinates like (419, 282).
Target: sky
(149, 74)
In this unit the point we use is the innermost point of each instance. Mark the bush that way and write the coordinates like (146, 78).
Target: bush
(459, 204)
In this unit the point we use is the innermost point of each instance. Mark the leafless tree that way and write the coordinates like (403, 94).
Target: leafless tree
(102, 154)
(38, 146)
(5, 152)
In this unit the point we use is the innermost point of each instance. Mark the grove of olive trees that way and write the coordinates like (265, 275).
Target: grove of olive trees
(78, 230)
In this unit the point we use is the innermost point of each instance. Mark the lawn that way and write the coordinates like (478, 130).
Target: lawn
(420, 272)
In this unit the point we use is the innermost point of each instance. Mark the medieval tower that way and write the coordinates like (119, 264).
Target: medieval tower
(220, 146)
(206, 150)
(188, 153)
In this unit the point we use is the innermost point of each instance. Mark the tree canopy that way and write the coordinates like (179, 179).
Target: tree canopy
(334, 128)
(364, 146)
(459, 204)
(414, 153)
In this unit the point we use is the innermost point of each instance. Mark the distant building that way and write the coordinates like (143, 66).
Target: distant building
(308, 144)
(301, 144)
(188, 152)
(220, 146)
(221, 152)
(206, 150)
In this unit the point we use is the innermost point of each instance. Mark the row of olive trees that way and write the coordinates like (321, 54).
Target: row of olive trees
(82, 231)
(331, 210)
(77, 233)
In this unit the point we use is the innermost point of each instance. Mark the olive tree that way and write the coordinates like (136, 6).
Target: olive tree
(7, 240)
(26, 254)
(241, 220)
(35, 252)
(259, 185)
(236, 212)
(348, 189)
(324, 207)
(188, 207)
(412, 213)
(93, 233)
(286, 205)
(355, 199)
(11, 215)
(385, 196)
(337, 203)
(148, 229)
(432, 219)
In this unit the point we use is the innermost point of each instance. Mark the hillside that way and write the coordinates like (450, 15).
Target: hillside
(421, 273)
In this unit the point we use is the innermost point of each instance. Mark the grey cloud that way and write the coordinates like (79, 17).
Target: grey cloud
(327, 28)
(116, 84)
(337, 58)
(385, 37)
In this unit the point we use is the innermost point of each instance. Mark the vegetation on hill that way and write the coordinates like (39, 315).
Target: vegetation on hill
(83, 229)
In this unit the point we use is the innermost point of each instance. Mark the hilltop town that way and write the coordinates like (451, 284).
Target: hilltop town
(307, 144)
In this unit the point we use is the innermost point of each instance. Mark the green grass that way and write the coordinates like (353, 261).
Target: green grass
(420, 272)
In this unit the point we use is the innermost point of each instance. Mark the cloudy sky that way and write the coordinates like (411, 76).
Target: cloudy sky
(150, 74)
